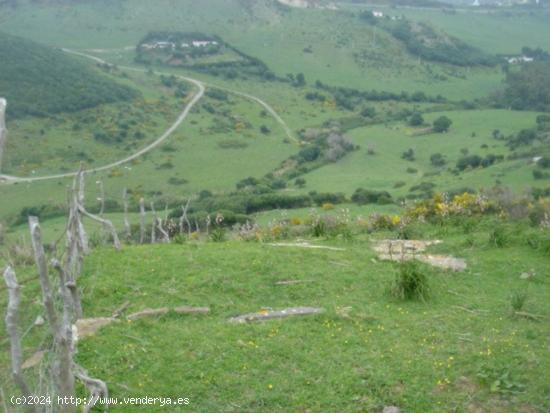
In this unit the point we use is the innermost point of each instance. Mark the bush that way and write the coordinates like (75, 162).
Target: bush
(410, 282)
(437, 159)
(327, 198)
(369, 112)
(363, 196)
(499, 237)
(408, 155)
(442, 124)
(517, 300)
(416, 119)
(470, 161)
(309, 154)
(218, 235)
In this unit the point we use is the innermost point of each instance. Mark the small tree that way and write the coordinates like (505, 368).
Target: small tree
(437, 159)
(408, 155)
(300, 80)
(416, 119)
(300, 182)
(369, 112)
(442, 124)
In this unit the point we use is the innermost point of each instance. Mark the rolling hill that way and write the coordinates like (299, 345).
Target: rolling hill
(39, 80)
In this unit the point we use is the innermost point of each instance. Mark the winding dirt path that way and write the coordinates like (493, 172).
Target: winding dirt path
(8, 179)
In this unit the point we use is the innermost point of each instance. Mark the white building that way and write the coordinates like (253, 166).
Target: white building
(520, 59)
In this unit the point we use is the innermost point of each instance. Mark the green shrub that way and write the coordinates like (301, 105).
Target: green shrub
(518, 300)
(499, 237)
(410, 282)
(363, 196)
(218, 235)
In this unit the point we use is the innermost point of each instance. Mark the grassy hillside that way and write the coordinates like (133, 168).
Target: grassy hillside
(38, 80)
(471, 131)
(335, 47)
(458, 351)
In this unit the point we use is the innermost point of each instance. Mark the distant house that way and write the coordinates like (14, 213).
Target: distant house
(203, 43)
(520, 59)
(159, 45)
(378, 14)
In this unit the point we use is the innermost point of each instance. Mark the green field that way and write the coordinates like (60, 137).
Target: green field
(366, 351)
(386, 167)
(301, 108)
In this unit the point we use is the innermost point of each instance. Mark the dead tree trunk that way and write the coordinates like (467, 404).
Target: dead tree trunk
(78, 198)
(12, 327)
(3, 130)
(141, 221)
(165, 235)
(42, 266)
(69, 287)
(65, 345)
(127, 228)
(106, 223)
(184, 218)
(61, 330)
(101, 198)
(154, 224)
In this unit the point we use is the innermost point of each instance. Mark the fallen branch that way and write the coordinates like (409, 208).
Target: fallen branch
(96, 387)
(293, 282)
(148, 312)
(191, 310)
(267, 315)
(118, 312)
(536, 317)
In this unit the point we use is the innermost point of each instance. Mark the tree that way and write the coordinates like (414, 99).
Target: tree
(300, 182)
(416, 119)
(437, 159)
(408, 155)
(442, 124)
(529, 88)
(300, 80)
(369, 112)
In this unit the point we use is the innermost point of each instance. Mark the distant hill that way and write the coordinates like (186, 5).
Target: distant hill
(39, 80)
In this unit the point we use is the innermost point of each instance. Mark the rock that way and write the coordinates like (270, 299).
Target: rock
(391, 409)
(406, 250)
(39, 321)
(89, 326)
(527, 275)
